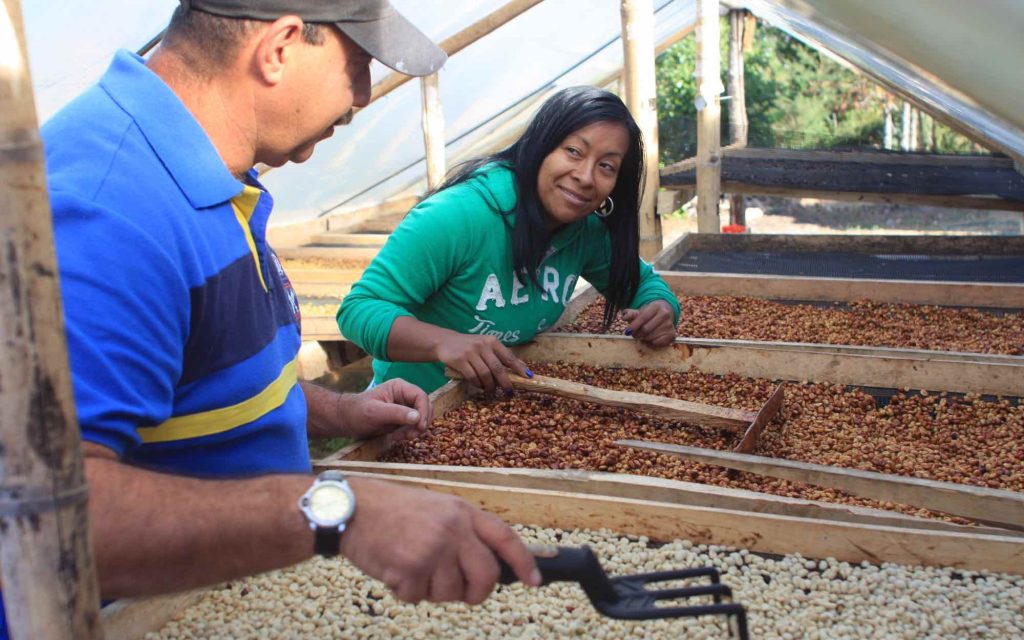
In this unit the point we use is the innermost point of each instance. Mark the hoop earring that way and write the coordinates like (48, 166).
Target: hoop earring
(606, 208)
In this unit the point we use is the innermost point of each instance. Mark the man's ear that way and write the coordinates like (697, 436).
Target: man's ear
(275, 47)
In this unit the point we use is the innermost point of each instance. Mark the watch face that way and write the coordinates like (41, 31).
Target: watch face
(330, 505)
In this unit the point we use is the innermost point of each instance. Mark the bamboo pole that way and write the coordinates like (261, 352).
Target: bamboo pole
(433, 130)
(49, 578)
(709, 87)
(738, 124)
(641, 98)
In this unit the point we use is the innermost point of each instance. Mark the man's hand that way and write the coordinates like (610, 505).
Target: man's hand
(393, 406)
(652, 323)
(482, 360)
(430, 546)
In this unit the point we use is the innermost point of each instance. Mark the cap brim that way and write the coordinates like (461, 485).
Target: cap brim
(397, 43)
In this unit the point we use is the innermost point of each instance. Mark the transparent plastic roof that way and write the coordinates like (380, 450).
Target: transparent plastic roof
(497, 82)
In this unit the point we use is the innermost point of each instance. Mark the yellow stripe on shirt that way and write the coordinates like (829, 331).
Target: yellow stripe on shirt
(208, 423)
(244, 204)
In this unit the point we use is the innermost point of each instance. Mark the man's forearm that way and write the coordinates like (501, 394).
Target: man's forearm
(158, 533)
(325, 412)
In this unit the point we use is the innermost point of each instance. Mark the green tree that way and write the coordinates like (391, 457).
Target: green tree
(796, 98)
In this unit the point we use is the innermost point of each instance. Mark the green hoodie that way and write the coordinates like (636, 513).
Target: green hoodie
(449, 263)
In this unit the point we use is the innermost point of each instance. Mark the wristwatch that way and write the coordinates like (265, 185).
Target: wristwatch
(328, 505)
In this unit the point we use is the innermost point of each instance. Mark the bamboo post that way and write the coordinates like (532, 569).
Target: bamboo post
(905, 126)
(709, 88)
(641, 98)
(433, 129)
(738, 124)
(49, 578)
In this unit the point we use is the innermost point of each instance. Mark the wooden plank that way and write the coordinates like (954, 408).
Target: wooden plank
(693, 412)
(757, 532)
(861, 172)
(133, 618)
(994, 506)
(671, 254)
(344, 239)
(313, 252)
(319, 276)
(649, 488)
(777, 361)
(323, 328)
(708, 172)
(873, 157)
(926, 355)
(934, 200)
(800, 288)
(332, 290)
(763, 417)
(870, 244)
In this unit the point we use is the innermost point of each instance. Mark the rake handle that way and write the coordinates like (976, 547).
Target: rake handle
(557, 564)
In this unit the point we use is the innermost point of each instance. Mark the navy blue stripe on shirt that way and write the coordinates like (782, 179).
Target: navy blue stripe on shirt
(233, 318)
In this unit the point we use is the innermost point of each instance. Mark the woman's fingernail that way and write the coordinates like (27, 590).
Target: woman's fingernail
(628, 331)
(413, 416)
(535, 578)
(529, 374)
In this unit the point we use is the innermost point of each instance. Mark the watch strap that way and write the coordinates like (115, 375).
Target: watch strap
(327, 542)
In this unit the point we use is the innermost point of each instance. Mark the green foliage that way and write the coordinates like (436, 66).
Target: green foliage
(796, 98)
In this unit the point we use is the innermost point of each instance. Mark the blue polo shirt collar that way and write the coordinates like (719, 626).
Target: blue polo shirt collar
(171, 130)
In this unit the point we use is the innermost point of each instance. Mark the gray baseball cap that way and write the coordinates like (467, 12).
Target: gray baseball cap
(372, 24)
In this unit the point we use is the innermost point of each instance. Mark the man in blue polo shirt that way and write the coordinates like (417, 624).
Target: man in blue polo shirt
(183, 329)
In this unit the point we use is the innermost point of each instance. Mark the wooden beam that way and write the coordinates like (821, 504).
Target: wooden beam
(949, 202)
(321, 328)
(934, 371)
(133, 618)
(799, 288)
(869, 244)
(621, 485)
(433, 130)
(755, 531)
(870, 157)
(671, 254)
(48, 572)
(878, 173)
(994, 506)
(460, 41)
(696, 413)
(641, 98)
(709, 88)
(738, 124)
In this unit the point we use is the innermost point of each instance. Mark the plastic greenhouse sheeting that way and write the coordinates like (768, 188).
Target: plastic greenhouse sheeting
(499, 81)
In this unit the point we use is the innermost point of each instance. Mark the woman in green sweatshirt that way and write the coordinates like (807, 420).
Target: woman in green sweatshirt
(491, 258)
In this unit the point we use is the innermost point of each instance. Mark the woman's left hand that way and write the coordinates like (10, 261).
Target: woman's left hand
(652, 323)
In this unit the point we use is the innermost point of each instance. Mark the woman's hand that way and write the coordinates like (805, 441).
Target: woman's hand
(482, 360)
(652, 323)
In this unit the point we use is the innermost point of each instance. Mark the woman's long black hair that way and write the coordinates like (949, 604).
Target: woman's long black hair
(567, 111)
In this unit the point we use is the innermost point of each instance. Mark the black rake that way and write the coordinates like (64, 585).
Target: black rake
(627, 597)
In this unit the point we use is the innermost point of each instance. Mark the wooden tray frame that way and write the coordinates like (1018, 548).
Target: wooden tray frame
(661, 509)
